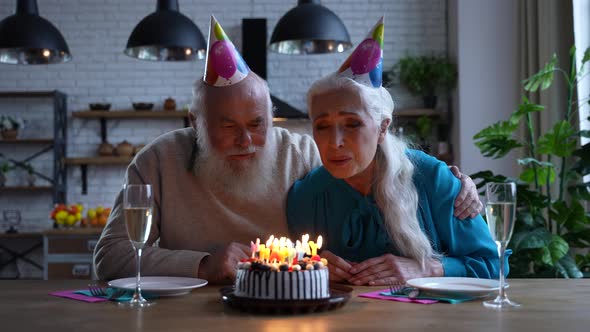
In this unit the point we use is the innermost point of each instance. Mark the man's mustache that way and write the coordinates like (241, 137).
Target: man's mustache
(236, 151)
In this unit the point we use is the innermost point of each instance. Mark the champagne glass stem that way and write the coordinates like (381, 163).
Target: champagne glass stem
(138, 276)
(502, 294)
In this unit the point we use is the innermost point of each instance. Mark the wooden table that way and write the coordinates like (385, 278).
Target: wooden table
(548, 305)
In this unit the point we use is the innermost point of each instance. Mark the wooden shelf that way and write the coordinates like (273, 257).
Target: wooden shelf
(416, 112)
(114, 160)
(25, 188)
(27, 141)
(74, 231)
(130, 114)
(28, 94)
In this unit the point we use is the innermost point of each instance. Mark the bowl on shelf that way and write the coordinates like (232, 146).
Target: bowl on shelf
(105, 149)
(99, 106)
(124, 149)
(143, 106)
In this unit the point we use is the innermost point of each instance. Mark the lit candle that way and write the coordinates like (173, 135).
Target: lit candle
(314, 248)
(254, 248)
(261, 252)
(285, 254)
(290, 255)
(320, 242)
(274, 257)
(270, 241)
(305, 244)
(299, 249)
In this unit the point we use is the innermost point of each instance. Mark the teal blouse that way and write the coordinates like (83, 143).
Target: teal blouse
(352, 224)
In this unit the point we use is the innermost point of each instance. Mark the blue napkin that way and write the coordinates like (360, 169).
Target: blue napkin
(127, 295)
(452, 300)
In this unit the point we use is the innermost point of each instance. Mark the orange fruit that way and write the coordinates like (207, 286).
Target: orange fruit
(102, 220)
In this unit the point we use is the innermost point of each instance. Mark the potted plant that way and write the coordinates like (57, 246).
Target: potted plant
(9, 126)
(423, 75)
(5, 167)
(424, 131)
(30, 179)
(550, 217)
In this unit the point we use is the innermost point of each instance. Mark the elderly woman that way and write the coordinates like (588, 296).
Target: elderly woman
(384, 210)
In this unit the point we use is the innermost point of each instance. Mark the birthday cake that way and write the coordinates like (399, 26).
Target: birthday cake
(281, 270)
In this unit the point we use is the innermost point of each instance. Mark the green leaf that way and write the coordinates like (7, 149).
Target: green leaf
(543, 78)
(556, 249)
(544, 174)
(586, 57)
(568, 268)
(524, 108)
(584, 133)
(582, 166)
(525, 218)
(536, 238)
(496, 140)
(571, 216)
(527, 161)
(559, 140)
(580, 191)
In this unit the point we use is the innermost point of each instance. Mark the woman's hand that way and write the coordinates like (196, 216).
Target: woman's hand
(467, 203)
(388, 269)
(337, 266)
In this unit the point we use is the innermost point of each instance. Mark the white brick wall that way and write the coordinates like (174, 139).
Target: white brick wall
(97, 32)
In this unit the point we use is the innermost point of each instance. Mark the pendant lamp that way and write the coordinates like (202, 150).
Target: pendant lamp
(310, 28)
(27, 38)
(166, 35)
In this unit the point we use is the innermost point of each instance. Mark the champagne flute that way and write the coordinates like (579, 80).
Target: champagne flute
(500, 215)
(137, 204)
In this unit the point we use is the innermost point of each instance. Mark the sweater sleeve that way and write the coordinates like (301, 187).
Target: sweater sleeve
(114, 256)
(467, 245)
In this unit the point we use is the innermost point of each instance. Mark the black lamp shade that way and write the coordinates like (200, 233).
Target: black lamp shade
(310, 28)
(27, 38)
(166, 35)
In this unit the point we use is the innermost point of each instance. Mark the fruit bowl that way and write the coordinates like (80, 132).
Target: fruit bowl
(99, 106)
(143, 106)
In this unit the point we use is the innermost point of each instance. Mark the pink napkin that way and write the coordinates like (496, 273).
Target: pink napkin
(377, 295)
(80, 297)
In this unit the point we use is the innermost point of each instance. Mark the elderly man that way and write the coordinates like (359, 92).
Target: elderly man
(219, 184)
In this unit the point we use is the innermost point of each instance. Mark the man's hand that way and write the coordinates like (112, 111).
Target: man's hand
(388, 269)
(467, 203)
(221, 266)
(337, 266)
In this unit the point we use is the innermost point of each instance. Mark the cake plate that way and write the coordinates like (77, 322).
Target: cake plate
(339, 295)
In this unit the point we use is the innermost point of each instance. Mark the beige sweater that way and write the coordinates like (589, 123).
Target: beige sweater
(191, 221)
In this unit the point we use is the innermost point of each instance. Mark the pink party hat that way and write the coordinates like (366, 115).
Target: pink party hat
(224, 64)
(365, 64)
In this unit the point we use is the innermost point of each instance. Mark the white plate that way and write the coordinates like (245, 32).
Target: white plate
(455, 286)
(161, 286)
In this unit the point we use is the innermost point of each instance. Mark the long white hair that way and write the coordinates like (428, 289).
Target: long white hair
(393, 188)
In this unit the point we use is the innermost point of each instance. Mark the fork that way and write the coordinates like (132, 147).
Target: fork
(101, 292)
(402, 289)
(96, 290)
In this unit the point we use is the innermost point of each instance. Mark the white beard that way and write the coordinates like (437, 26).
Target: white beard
(244, 179)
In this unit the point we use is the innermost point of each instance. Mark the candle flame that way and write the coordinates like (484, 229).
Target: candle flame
(320, 241)
(269, 241)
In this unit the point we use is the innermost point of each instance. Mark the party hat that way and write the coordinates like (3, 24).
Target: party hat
(365, 64)
(224, 64)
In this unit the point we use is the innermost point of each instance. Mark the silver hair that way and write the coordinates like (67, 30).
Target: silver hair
(393, 187)
(198, 105)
